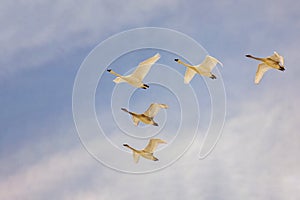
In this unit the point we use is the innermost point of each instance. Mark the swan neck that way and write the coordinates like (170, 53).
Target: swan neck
(114, 73)
(256, 58)
(132, 113)
(183, 63)
(125, 110)
(131, 148)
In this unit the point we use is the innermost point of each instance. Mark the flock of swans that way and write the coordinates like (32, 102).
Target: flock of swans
(135, 79)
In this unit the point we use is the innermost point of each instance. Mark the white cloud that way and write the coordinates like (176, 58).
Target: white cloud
(49, 172)
(35, 33)
(256, 158)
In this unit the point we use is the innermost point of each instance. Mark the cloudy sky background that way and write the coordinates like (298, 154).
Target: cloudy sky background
(43, 45)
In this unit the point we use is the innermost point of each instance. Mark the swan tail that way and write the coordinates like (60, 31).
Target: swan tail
(118, 80)
(136, 157)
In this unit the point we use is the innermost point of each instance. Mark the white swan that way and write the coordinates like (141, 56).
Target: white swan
(204, 68)
(275, 61)
(148, 115)
(136, 78)
(147, 152)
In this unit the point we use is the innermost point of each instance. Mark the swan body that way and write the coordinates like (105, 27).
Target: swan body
(203, 69)
(275, 61)
(148, 151)
(148, 116)
(136, 78)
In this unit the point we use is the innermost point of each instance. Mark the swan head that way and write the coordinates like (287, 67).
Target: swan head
(125, 145)
(109, 70)
(176, 59)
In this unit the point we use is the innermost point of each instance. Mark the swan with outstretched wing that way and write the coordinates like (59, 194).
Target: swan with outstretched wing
(203, 69)
(148, 116)
(136, 78)
(275, 61)
(148, 151)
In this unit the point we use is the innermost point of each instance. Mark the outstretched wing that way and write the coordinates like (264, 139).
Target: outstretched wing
(189, 74)
(118, 80)
(278, 58)
(141, 71)
(209, 63)
(262, 68)
(135, 120)
(136, 157)
(154, 108)
(152, 145)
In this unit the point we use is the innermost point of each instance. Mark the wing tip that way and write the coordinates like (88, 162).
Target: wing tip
(214, 59)
(256, 81)
(186, 81)
(117, 80)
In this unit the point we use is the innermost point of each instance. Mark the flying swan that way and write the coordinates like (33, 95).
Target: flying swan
(275, 61)
(136, 78)
(148, 115)
(147, 152)
(203, 69)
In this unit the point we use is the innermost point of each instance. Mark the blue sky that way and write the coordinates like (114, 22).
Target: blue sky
(43, 45)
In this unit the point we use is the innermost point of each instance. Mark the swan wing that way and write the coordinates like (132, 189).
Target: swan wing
(118, 80)
(278, 58)
(154, 109)
(152, 145)
(136, 157)
(209, 63)
(262, 68)
(135, 120)
(189, 74)
(281, 61)
(144, 67)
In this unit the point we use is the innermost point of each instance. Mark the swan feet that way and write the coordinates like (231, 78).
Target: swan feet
(281, 68)
(213, 77)
(145, 86)
(155, 159)
(155, 124)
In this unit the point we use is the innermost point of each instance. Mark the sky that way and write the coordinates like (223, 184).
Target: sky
(48, 152)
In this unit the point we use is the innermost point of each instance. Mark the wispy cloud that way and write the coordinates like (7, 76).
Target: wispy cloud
(39, 32)
(255, 159)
